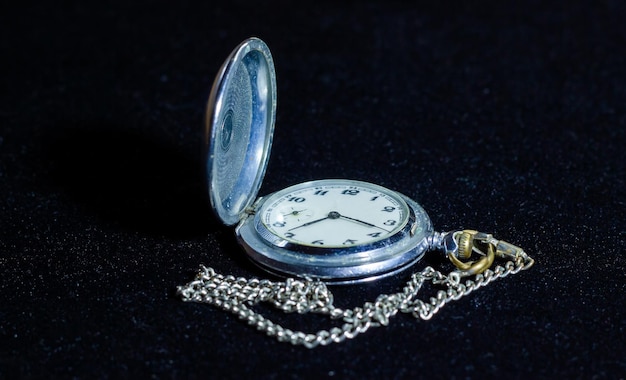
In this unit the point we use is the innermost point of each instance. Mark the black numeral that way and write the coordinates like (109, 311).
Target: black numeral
(389, 208)
(350, 192)
(297, 199)
(349, 241)
(320, 242)
(374, 198)
(374, 234)
(279, 224)
(390, 223)
(289, 235)
(321, 192)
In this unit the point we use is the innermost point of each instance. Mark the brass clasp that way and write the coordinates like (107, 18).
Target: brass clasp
(461, 244)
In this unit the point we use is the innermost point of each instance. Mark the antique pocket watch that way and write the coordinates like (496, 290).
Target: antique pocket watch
(331, 231)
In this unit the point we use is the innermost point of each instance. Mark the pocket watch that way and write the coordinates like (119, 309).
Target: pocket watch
(321, 232)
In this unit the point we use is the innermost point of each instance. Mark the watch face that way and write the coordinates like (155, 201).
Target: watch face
(340, 231)
(334, 214)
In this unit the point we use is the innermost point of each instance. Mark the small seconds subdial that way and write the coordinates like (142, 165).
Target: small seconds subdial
(334, 214)
(295, 214)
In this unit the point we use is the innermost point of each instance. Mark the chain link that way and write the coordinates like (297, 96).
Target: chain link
(239, 295)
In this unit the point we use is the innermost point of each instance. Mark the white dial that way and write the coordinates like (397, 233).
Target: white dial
(334, 214)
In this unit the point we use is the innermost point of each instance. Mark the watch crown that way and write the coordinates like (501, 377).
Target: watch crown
(466, 243)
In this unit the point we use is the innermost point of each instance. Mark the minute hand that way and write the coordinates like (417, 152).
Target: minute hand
(364, 223)
(309, 223)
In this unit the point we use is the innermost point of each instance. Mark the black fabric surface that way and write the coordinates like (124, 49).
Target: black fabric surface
(507, 117)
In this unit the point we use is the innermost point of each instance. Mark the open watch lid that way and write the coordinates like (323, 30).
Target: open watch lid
(240, 119)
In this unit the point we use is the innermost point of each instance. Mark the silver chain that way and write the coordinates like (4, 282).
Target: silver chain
(238, 295)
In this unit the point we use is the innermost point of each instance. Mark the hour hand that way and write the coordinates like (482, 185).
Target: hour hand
(363, 222)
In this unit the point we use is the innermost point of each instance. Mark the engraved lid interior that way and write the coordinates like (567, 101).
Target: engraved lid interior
(239, 127)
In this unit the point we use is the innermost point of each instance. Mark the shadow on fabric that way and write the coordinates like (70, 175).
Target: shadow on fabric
(138, 182)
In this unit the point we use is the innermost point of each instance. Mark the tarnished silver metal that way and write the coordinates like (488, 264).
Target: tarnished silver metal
(333, 231)
(239, 295)
(340, 265)
(240, 119)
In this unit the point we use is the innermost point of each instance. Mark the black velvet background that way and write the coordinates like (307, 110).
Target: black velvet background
(508, 117)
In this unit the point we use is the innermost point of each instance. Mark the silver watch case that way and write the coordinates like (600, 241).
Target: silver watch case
(240, 119)
(336, 265)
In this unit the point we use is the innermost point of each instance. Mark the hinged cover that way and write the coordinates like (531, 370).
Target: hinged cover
(240, 119)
